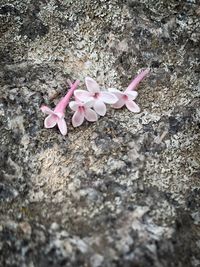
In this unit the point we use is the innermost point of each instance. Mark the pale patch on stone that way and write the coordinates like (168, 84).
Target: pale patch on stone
(54, 173)
(16, 123)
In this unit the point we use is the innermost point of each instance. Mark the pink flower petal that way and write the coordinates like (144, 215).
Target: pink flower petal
(108, 98)
(90, 115)
(50, 121)
(116, 92)
(46, 110)
(73, 105)
(120, 103)
(131, 94)
(92, 85)
(100, 107)
(59, 115)
(77, 118)
(89, 103)
(82, 95)
(62, 126)
(132, 106)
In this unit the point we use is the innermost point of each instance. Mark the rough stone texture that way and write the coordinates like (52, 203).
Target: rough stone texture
(124, 191)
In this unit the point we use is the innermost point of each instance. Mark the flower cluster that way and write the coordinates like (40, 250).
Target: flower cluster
(91, 103)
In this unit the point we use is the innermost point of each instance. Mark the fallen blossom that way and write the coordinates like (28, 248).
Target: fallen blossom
(56, 116)
(99, 97)
(128, 96)
(125, 98)
(82, 111)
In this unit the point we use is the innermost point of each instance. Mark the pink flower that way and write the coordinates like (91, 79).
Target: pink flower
(57, 116)
(126, 98)
(99, 97)
(82, 111)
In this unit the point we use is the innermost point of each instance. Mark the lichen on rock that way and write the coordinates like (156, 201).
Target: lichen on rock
(123, 191)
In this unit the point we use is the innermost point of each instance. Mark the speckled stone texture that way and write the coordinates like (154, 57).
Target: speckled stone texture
(122, 192)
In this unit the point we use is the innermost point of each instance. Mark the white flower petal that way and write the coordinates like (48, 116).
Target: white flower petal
(108, 98)
(92, 85)
(60, 115)
(62, 126)
(50, 121)
(131, 94)
(120, 103)
(73, 105)
(89, 103)
(82, 95)
(116, 92)
(77, 118)
(46, 110)
(90, 114)
(132, 106)
(100, 107)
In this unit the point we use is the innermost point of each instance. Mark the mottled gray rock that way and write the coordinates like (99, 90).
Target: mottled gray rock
(123, 191)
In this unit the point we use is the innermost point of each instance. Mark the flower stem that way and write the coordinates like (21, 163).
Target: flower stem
(137, 80)
(61, 106)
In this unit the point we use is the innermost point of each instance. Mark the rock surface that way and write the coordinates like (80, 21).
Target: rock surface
(124, 191)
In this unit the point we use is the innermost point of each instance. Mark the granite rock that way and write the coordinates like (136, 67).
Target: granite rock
(123, 191)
